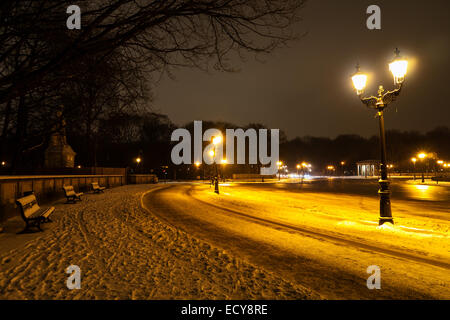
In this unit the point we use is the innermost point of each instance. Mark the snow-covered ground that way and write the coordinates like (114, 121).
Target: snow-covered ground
(321, 240)
(429, 182)
(126, 253)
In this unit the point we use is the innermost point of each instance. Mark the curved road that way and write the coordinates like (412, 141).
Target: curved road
(330, 262)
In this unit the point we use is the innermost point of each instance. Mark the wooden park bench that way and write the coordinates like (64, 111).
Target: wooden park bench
(96, 188)
(71, 195)
(31, 213)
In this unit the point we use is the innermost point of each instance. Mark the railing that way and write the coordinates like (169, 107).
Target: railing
(47, 188)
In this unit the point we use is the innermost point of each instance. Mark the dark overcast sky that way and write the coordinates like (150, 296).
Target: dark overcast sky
(306, 89)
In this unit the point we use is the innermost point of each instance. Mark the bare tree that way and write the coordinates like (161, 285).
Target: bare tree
(156, 34)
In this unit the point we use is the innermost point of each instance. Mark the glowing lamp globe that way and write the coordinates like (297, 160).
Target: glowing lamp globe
(398, 68)
(359, 80)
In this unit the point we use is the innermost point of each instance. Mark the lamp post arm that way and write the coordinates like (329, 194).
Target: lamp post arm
(390, 96)
(369, 101)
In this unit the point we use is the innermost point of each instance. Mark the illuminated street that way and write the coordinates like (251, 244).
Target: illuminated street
(322, 240)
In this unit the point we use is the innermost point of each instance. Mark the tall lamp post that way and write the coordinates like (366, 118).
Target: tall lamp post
(398, 68)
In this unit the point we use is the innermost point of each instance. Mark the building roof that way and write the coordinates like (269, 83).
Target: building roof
(369, 162)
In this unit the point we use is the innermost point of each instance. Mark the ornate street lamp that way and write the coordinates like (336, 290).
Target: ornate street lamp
(398, 68)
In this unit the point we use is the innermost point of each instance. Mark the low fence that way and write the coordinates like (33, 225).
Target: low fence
(251, 176)
(142, 178)
(47, 188)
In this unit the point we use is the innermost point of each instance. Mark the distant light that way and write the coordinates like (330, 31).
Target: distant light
(330, 167)
(342, 163)
(211, 153)
(414, 160)
(217, 140)
(3, 163)
(440, 162)
(422, 155)
(197, 164)
(224, 161)
(279, 163)
(298, 166)
(138, 160)
(79, 167)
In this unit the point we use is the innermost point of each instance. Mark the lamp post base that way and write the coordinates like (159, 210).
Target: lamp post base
(385, 203)
(383, 220)
(216, 185)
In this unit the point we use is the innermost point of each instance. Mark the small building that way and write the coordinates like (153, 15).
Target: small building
(368, 168)
(59, 153)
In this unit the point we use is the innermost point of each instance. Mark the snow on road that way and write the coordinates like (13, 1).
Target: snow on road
(126, 253)
(319, 240)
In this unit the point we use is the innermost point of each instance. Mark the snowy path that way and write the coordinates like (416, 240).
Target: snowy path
(322, 241)
(125, 253)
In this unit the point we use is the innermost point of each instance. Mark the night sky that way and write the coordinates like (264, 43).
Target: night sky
(306, 89)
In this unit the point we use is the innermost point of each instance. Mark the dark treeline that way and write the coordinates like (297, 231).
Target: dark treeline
(402, 146)
(121, 139)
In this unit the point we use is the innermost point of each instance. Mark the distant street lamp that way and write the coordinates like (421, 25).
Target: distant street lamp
(279, 165)
(398, 68)
(390, 166)
(224, 163)
(304, 168)
(439, 163)
(138, 161)
(422, 156)
(414, 160)
(342, 167)
(330, 170)
(197, 165)
(216, 140)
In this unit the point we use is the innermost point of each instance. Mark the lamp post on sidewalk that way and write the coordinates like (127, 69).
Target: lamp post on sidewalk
(398, 68)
